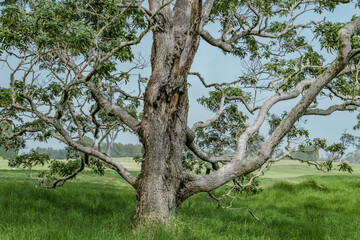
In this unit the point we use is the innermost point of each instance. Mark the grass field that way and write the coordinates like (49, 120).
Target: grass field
(297, 202)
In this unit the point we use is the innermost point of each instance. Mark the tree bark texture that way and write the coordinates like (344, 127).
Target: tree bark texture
(164, 123)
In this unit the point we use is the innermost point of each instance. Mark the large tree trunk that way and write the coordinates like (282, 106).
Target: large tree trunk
(164, 123)
(163, 134)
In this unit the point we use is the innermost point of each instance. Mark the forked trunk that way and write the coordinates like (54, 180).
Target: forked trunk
(164, 123)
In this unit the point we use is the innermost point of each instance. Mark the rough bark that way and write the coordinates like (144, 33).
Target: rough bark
(164, 123)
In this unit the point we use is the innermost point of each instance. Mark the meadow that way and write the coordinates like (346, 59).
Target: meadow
(298, 202)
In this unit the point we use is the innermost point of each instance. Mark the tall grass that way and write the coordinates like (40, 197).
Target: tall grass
(93, 207)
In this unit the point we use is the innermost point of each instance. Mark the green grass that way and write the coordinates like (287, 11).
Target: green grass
(297, 203)
(295, 172)
(3, 164)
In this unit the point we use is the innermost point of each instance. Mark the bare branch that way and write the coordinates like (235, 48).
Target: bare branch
(127, 96)
(190, 136)
(257, 219)
(251, 110)
(117, 110)
(347, 106)
(212, 84)
(226, 195)
(136, 5)
(216, 117)
(225, 46)
(69, 141)
(263, 169)
(242, 141)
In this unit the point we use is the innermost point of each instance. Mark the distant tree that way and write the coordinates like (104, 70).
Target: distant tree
(125, 150)
(9, 147)
(118, 150)
(307, 154)
(347, 141)
(68, 81)
(53, 153)
(352, 157)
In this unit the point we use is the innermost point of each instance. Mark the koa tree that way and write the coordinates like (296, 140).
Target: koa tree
(71, 64)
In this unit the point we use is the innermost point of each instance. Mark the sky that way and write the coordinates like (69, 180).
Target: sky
(217, 67)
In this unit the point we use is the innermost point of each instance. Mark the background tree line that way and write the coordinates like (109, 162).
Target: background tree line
(118, 150)
(132, 150)
(9, 151)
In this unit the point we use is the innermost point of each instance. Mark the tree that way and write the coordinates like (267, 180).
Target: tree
(67, 81)
(8, 148)
(7, 154)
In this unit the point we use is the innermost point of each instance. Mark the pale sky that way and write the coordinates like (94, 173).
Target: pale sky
(215, 66)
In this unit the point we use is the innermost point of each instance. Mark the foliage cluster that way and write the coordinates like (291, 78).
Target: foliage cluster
(8, 154)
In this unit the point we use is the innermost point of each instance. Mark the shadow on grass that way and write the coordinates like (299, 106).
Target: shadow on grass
(288, 211)
(77, 211)
(98, 210)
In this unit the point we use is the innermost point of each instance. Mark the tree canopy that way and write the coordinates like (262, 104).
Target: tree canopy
(72, 77)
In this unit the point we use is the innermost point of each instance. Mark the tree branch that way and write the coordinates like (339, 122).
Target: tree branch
(206, 9)
(347, 106)
(216, 117)
(61, 181)
(136, 5)
(127, 96)
(240, 166)
(99, 96)
(190, 136)
(68, 140)
(341, 96)
(242, 140)
(251, 110)
(225, 46)
(101, 99)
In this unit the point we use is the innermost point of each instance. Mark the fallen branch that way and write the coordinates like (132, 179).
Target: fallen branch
(257, 219)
